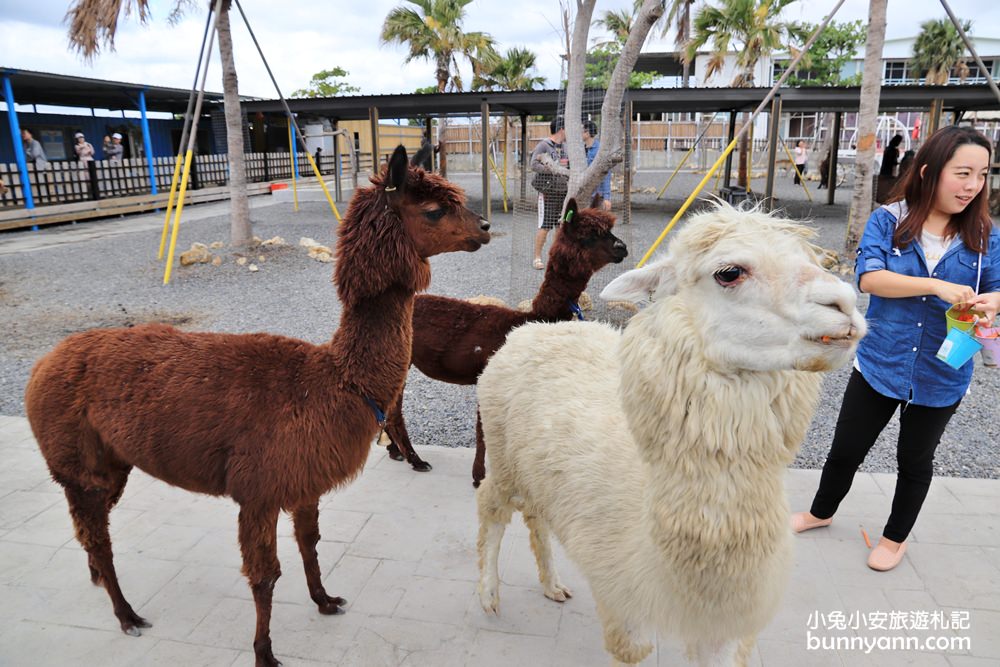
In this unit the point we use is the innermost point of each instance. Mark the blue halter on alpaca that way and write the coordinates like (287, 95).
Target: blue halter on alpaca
(379, 414)
(575, 307)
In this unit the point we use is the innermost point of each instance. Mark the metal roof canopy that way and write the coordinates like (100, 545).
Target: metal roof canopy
(644, 100)
(76, 91)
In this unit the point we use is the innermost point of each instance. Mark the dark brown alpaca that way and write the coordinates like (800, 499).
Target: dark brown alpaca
(272, 422)
(453, 339)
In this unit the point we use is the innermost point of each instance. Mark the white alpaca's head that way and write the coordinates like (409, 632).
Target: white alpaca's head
(755, 291)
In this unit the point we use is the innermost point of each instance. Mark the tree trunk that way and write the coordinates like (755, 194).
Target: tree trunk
(871, 82)
(741, 173)
(240, 231)
(584, 179)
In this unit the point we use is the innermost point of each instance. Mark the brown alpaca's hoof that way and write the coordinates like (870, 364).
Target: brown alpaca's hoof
(394, 453)
(264, 656)
(331, 606)
(131, 622)
(476, 483)
(421, 466)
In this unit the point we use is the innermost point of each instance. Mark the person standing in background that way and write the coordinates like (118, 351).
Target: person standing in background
(114, 151)
(83, 148)
(592, 145)
(33, 151)
(800, 156)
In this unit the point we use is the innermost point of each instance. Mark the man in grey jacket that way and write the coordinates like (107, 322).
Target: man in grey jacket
(33, 151)
(549, 160)
(113, 151)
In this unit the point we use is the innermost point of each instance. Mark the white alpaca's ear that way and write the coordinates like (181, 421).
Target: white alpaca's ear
(639, 285)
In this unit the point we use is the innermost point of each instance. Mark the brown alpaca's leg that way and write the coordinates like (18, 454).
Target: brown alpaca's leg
(259, 544)
(479, 463)
(401, 447)
(306, 520)
(89, 509)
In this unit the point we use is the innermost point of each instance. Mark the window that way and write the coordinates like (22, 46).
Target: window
(896, 72)
(802, 125)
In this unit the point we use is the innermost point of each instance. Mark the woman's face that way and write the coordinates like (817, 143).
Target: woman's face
(962, 178)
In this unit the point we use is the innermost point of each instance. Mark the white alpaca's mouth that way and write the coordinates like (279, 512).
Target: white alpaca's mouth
(843, 340)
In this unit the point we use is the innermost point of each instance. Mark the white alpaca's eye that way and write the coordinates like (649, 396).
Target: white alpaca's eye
(728, 276)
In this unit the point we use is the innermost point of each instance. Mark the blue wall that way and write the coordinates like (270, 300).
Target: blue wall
(51, 126)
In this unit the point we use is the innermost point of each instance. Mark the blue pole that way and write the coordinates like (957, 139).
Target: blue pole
(295, 154)
(15, 130)
(146, 140)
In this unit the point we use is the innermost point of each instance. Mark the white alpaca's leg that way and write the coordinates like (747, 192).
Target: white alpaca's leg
(718, 654)
(623, 645)
(541, 546)
(494, 515)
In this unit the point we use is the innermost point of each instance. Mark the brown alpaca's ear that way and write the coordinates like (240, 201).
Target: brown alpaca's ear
(596, 201)
(398, 169)
(571, 212)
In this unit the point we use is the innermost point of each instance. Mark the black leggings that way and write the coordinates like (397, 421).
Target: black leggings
(863, 415)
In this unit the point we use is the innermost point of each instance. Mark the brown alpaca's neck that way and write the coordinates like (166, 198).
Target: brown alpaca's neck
(561, 288)
(371, 348)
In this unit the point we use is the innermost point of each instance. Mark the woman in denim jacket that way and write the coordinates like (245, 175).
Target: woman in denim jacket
(934, 247)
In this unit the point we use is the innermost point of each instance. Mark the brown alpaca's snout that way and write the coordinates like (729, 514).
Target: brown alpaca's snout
(480, 233)
(619, 251)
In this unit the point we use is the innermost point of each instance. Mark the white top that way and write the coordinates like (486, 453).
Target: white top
(800, 155)
(934, 247)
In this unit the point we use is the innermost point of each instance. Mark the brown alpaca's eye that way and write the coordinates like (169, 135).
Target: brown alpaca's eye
(434, 215)
(730, 275)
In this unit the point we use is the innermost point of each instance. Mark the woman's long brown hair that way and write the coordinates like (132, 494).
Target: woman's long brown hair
(920, 190)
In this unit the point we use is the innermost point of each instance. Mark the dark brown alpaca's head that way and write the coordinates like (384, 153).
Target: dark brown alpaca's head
(392, 228)
(584, 243)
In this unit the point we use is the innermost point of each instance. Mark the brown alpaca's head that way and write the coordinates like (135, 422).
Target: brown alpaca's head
(584, 243)
(392, 228)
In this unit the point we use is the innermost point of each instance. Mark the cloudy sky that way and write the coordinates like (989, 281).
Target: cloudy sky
(305, 36)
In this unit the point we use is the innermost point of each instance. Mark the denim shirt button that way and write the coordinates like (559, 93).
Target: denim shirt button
(920, 324)
(914, 349)
(923, 298)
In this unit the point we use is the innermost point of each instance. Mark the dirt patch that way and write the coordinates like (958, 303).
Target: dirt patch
(29, 335)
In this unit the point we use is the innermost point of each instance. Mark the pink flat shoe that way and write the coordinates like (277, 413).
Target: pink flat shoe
(883, 559)
(802, 521)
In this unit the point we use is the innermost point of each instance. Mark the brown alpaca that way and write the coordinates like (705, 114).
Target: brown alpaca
(272, 422)
(453, 339)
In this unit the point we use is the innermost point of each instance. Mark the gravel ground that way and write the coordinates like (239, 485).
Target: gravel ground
(112, 278)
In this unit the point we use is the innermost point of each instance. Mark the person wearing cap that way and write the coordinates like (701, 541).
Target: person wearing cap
(84, 149)
(113, 152)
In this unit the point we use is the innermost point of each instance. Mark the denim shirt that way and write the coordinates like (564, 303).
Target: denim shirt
(604, 189)
(897, 357)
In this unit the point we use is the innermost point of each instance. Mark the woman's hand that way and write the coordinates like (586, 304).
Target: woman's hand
(952, 293)
(989, 304)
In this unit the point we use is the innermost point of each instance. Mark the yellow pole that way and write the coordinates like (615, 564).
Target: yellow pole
(177, 215)
(718, 179)
(750, 158)
(686, 204)
(676, 171)
(333, 206)
(170, 204)
(802, 181)
(291, 162)
(502, 183)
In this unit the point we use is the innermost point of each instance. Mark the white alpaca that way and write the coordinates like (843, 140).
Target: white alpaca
(669, 494)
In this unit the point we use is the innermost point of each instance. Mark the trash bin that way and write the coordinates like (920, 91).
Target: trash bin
(734, 195)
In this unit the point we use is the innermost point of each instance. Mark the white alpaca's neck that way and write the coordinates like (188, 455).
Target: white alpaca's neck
(714, 448)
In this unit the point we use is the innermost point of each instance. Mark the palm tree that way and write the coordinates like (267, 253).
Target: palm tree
(751, 28)
(871, 88)
(435, 33)
(619, 23)
(679, 14)
(94, 24)
(510, 72)
(938, 50)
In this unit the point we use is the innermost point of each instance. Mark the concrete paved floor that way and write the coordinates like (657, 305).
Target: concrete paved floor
(400, 546)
